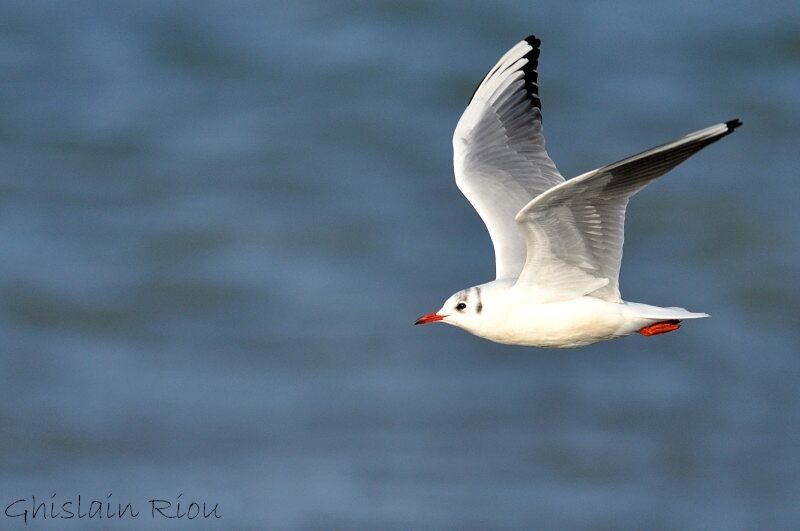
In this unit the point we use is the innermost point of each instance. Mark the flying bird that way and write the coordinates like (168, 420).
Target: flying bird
(557, 242)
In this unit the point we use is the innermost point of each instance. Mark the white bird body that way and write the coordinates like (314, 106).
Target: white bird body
(509, 316)
(557, 242)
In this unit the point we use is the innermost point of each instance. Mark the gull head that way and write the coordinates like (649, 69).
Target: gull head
(462, 309)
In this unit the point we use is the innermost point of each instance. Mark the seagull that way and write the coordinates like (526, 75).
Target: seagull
(557, 242)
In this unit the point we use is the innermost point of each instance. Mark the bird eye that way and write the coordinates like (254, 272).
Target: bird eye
(460, 306)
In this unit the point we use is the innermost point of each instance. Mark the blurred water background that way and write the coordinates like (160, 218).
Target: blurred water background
(218, 221)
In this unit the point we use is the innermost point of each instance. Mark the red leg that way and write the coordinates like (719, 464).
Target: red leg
(661, 327)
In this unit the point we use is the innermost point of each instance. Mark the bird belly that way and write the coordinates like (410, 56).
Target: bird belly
(563, 324)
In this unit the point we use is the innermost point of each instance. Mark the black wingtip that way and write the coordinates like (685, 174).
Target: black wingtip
(733, 124)
(529, 70)
(533, 41)
(531, 77)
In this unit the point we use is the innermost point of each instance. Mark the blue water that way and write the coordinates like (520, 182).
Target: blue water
(218, 221)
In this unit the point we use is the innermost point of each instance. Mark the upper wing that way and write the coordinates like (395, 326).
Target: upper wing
(498, 151)
(574, 231)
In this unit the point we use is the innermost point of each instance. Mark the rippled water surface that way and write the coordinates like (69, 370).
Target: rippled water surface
(219, 219)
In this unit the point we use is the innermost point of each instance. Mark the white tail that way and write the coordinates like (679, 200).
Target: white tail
(646, 311)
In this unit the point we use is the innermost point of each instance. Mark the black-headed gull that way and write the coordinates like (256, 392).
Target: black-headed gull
(557, 243)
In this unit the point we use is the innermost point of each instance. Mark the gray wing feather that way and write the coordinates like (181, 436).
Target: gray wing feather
(575, 231)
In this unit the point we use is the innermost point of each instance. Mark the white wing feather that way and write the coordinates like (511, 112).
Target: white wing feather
(499, 156)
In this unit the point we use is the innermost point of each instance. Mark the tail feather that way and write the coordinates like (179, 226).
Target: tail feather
(646, 311)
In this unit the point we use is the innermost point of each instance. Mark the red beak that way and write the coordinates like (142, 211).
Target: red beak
(429, 318)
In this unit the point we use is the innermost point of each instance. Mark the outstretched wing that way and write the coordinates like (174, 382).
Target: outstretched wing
(498, 151)
(574, 231)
